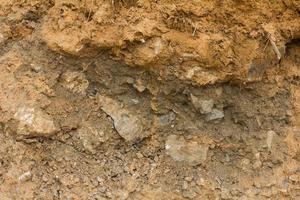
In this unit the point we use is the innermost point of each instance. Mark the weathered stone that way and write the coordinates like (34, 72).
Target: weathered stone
(190, 194)
(204, 106)
(122, 194)
(26, 176)
(225, 193)
(167, 118)
(215, 114)
(92, 134)
(186, 151)
(34, 122)
(139, 86)
(128, 124)
(2, 39)
(269, 140)
(257, 164)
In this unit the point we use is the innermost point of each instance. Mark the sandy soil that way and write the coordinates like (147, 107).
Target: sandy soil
(149, 99)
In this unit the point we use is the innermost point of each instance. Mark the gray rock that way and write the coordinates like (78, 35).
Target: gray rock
(189, 152)
(215, 114)
(128, 124)
(204, 106)
(167, 118)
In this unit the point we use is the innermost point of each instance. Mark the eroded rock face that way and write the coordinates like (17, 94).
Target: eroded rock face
(189, 152)
(20, 97)
(130, 125)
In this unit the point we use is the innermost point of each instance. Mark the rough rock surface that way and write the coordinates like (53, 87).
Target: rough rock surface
(203, 105)
(144, 99)
(190, 152)
(34, 122)
(75, 82)
(130, 125)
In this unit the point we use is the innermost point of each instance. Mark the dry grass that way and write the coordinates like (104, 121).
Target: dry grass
(88, 9)
(124, 3)
(179, 20)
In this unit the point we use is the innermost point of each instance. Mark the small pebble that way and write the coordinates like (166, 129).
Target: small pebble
(257, 164)
(25, 176)
(139, 155)
(189, 179)
(185, 185)
(200, 182)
